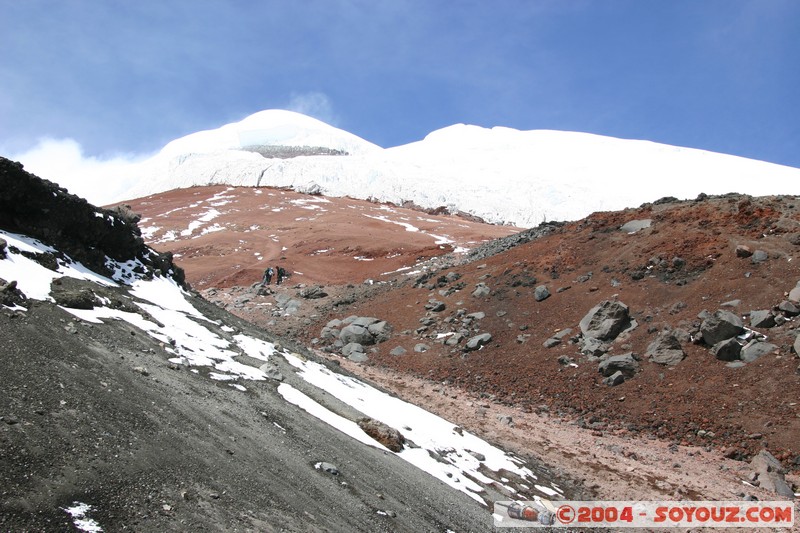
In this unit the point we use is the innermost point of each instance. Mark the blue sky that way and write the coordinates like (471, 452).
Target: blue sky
(126, 77)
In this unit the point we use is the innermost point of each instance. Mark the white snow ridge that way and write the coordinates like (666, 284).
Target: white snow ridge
(502, 175)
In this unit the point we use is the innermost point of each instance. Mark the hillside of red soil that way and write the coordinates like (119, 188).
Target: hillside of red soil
(225, 236)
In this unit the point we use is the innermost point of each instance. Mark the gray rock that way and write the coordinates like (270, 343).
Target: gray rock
(452, 340)
(327, 467)
(796, 345)
(479, 315)
(481, 290)
(731, 303)
(75, 298)
(565, 360)
(399, 350)
(593, 347)
(721, 326)
(727, 350)
(420, 348)
(794, 294)
(380, 330)
(636, 225)
(505, 419)
(735, 364)
(605, 321)
(755, 349)
(288, 304)
(365, 321)
(356, 333)
(759, 256)
(358, 357)
(617, 378)
(352, 348)
(789, 308)
(478, 341)
(271, 371)
(624, 363)
(771, 474)
(551, 342)
(541, 293)
(329, 333)
(452, 276)
(435, 306)
(666, 350)
(562, 333)
(313, 293)
(683, 336)
(762, 319)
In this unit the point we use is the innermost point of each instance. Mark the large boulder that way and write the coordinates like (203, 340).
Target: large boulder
(624, 363)
(727, 350)
(666, 350)
(10, 295)
(312, 293)
(722, 325)
(755, 349)
(75, 298)
(381, 331)
(789, 308)
(331, 330)
(386, 435)
(352, 348)
(356, 333)
(605, 321)
(364, 330)
(762, 319)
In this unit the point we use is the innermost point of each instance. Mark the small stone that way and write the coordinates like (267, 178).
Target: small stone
(759, 256)
(327, 467)
(505, 419)
(743, 251)
(617, 378)
(541, 293)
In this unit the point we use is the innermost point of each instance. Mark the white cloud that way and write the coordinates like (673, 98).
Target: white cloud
(99, 180)
(314, 104)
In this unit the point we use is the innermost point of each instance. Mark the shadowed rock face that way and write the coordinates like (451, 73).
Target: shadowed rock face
(41, 209)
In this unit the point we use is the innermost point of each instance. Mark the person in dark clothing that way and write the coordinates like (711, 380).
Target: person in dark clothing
(281, 275)
(267, 276)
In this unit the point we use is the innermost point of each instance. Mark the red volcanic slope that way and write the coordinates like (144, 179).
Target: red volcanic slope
(227, 236)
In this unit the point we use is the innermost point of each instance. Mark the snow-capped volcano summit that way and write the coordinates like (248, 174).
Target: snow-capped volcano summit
(501, 175)
(272, 127)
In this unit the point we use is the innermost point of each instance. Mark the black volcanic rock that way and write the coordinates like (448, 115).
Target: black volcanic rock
(43, 210)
